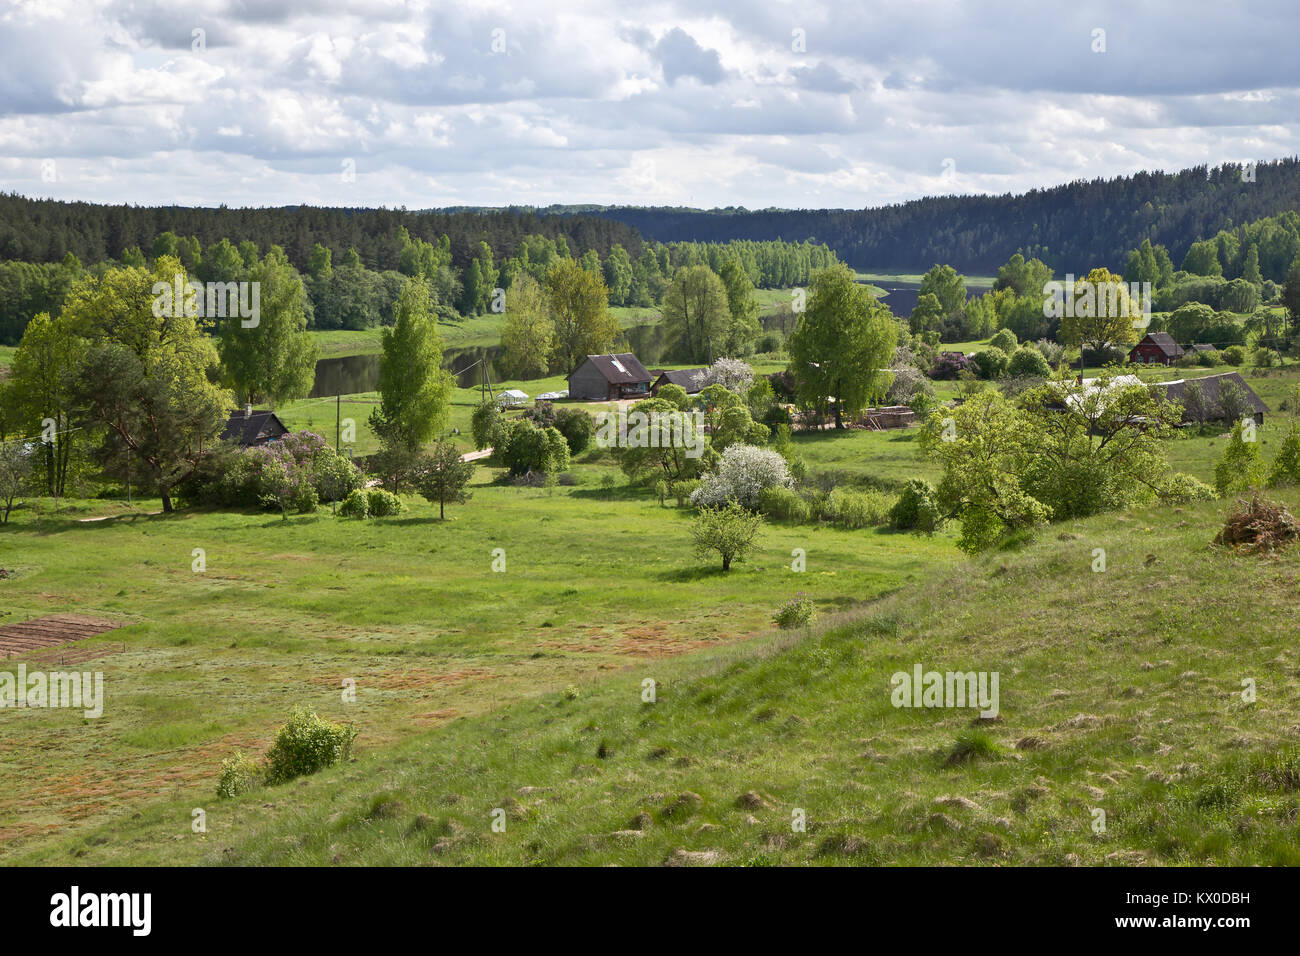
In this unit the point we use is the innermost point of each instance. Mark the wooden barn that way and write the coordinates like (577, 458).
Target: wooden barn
(1211, 386)
(249, 428)
(1156, 348)
(691, 379)
(606, 378)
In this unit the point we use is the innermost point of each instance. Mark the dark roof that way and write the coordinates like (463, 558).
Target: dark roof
(1210, 384)
(253, 428)
(1201, 348)
(620, 369)
(688, 378)
(1165, 342)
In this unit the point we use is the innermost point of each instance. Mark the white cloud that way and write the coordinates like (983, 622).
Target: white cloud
(706, 102)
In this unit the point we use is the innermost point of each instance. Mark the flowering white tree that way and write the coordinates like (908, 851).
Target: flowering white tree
(742, 474)
(732, 374)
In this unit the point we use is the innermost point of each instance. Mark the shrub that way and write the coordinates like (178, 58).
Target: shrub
(306, 744)
(1265, 358)
(484, 423)
(1054, 352)
(523, 447)
(769, 342)
(577, 427)
(734, 375)
(991, 362)
(1234, 355)
(907, 384)
(682, 490)
(856, 509)
(916, 508)
(541, 414)
(799, 611)
(355, 505)
(1241, 467)
(661, 491)
(675, 396)
(949, 365)
(239, 774)
(297, 471)
(1005, 340)
(1028, 361)
(731, 532)
(742, 474)
(1181, 488)
(783, 504)
(382, 504)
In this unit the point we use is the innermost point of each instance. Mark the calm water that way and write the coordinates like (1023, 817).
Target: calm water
(360, 373)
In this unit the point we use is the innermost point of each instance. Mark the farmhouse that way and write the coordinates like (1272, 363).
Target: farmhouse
(249, 428)
(691, 379)
(1212, 387)
(1156, 348)
(604, 378)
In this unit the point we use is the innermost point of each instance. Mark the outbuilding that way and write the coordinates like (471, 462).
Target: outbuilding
(606, 378)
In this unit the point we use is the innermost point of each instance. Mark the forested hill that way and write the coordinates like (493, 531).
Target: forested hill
(1072, 228)
(44, 230)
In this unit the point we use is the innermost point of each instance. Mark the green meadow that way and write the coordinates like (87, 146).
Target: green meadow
(1120, 701)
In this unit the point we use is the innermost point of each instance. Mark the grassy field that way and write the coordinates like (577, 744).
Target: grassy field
(1119, 692)
(973, 283)
(598, 578)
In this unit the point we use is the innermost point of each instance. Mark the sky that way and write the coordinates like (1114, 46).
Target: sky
(701, 103)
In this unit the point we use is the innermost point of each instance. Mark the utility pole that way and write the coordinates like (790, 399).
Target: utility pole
(338, 410)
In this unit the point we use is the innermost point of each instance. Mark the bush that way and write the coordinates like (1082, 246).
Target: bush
(523, 447)
(1181, 488)
(854, 509)
(484, 424)
(1028, 361)
(382, 504)
(949, 365)
(1054, 352)
(306, 744)
(734, 375)
(297, 471)
(742, 474)
(1234, 355)
(769, 342)
(542, 414)
(907, 384)
(1265, 357)
(577, 427)
(916, 508)
(682, 490)
(239, 774)
(783, 504)
(1005, 340)
(661, 491)
(355, 505)
(991, 362)
(675, 396)
(799, 611)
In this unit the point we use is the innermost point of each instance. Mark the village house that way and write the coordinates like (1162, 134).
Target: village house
(691, 379)
(1156, 348)
(607, 378)
(1212, 387)
(249, 428)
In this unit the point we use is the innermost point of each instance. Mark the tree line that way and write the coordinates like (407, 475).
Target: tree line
(1070, 227)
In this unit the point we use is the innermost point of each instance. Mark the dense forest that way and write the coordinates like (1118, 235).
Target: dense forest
(45, 230)
(1072, 228)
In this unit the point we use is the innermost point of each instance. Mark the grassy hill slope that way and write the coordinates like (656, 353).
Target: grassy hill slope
(1119, 691)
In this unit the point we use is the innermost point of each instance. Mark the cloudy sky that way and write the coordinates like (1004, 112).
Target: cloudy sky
(705, 103)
